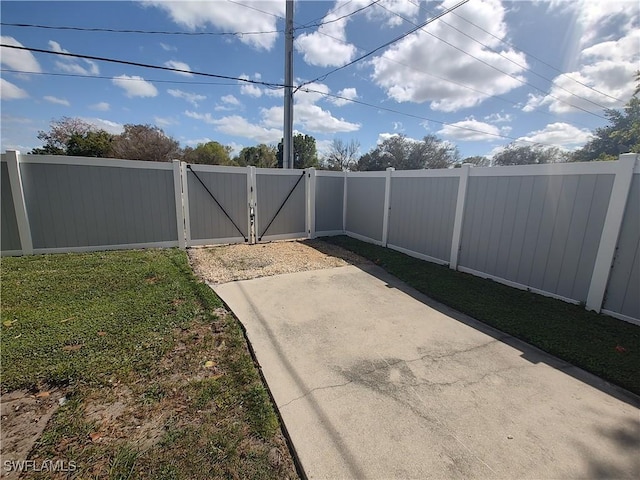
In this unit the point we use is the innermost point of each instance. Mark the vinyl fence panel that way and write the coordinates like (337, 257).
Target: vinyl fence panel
(273, 186)
(422, 215)
(10, 237)
(329, 202)
(365, 205)
(623, 290)
(208, 223)
(73, 204)
(540, 231)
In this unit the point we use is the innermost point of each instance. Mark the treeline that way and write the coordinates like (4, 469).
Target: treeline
(75, 137)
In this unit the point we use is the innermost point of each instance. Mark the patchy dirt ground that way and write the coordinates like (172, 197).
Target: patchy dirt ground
(24, 417)
(228, 263)
(131, 427)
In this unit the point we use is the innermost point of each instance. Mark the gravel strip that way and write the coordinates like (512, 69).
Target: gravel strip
(227, 263)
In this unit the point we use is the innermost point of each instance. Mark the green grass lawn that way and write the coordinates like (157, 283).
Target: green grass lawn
(137, 332)
(602, 345)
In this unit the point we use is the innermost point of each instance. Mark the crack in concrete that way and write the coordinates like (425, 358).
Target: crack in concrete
(453, 354)
(326, 387)
(387, 365)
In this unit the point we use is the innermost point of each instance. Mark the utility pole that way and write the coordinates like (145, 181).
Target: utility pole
(287, 147)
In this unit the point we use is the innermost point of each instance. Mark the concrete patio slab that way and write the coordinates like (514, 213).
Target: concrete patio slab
(374, 380)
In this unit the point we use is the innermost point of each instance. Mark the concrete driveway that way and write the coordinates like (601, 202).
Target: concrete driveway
(374, 380)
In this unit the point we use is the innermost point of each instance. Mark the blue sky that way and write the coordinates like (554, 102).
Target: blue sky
(541, 71)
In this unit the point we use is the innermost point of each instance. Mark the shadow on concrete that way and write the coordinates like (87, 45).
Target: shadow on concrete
(626, 438)
(527, 351)
(349, 459)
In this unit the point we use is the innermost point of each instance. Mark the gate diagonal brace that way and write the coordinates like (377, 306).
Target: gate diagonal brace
(281, 206)
(217, 203)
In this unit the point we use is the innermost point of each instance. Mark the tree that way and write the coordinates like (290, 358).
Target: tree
(262, 156)
(622, 135)
(145, 142)
(210, 153)
(304, 151)
(528, 155)
(342, 155)
(403, 153)
(60, 132)
(91, 144)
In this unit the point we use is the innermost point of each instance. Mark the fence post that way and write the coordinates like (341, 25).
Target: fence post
(311, 202)
(611, 230)
(19, 204)
(387, 206)
(177, 186)
(457, 222)
(252, 199)
(344, 203)
(185, 203)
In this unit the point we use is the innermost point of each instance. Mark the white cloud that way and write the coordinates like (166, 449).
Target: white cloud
(315, 119)
(135, 86)
(327, 46)
(228, 17)
(392, 12)
(18, 59)
(533, 102)
(404, 69)
(56, 100)
(235, 148)
(499, 117)
(195, 141)
(603, 53)
(382, 137)
(558, 134)
(595, 18)
(71, 65)
(347, 93)
(168, 48)
(179, 66)
(307, 115)
(239, 127)
(231, 100)
(192, 98)
(470, 130)
(101, 106)
(9, 91)
(608, 67)
(164, 121)
(322, 51)
(114, 128)
(323, 147)
(249, 88)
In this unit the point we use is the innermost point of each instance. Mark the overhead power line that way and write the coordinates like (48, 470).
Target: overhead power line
(564, 74)
(146, 32)
(144, 65)
(420, 117)
(104, 77)
(310, 90)
(335, 11)
(524, 82)
(251, 7)
(448, 80)
(313, 25)
(390, 42)
(524, 67)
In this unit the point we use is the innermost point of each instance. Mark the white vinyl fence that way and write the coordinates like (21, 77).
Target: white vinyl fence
(570, 231)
